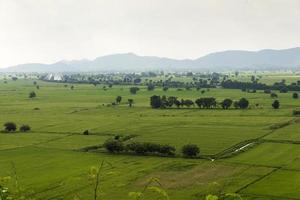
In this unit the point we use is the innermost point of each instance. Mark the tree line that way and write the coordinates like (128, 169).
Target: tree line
(157, 101)
(254, 85)
(116, 145)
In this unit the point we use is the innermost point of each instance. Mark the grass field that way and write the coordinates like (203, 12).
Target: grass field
(49, 161)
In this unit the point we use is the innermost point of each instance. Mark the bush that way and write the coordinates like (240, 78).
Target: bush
(267, 91)
(295, 95)
(114, 146)
(276, 104)
(190, 150)
(10, 126)
(25, 128)
(273, 95)
(167, 150)
(86, 132)
(165, 88)
(32, 95)
(296, 112)
(138, 148)
(133, 90)
(283, 90)
(151, 148)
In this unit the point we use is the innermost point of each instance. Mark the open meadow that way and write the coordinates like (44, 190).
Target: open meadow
(253, 152)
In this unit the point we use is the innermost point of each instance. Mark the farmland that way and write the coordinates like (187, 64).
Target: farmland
(51, 162)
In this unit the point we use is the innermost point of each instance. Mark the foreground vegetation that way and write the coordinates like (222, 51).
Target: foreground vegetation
(56, 132)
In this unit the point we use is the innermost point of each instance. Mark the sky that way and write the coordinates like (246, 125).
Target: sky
(47, 31)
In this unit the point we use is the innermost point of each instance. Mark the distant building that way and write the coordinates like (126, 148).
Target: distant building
(54, 77)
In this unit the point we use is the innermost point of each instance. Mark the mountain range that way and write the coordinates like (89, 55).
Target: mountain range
(266, 59)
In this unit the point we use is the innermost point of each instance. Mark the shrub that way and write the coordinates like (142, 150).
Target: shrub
(167, 150)
(267, 91)
(133, 90)
(276, 104)
(114, 146)
(190, 150)
(25, 128)
(283, 90)
(86, 132)
(295, 95)
(32, 95)
(151, 148)
(10, 126)
(150, 87)
(138, 148)
(296, 112)
(273, 95)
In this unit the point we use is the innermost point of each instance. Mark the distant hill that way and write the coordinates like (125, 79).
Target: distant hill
(226, 60)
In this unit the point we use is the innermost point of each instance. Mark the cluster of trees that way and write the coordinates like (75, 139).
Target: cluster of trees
(148, 148)
(141, 148)
(205, 102)
(199, 80)
(254, 85)
(12, 127)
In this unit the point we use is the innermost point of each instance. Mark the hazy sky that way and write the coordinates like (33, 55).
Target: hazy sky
(51, 30)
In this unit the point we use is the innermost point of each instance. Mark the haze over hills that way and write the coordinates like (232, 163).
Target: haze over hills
(226, 60)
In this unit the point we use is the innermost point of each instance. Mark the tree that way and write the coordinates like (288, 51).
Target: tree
(165, 88)
(295, 95)
(207, 102)
(118, 99)
(267, 91)
(10, 126)
(25, 128)
(72, 87)
(188, 103)
(137, 81)
(276, 104)
(130, 102)
(113, 146)
(34, 82)
(226, 103)
(150, 87)
(236, 104)
(177, 103)
(32, 95)
(283, 89)
(236, 73)
(190, 150)
(273, 95)
(155, 101)
(243, 103)
(133, 90)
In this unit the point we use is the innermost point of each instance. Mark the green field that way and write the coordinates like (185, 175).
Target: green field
(50, 163)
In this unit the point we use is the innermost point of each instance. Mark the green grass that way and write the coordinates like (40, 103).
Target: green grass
(269, 154)
(49, 163)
